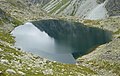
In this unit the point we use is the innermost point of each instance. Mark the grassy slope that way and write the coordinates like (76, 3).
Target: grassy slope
(33, 65)
(105, 59)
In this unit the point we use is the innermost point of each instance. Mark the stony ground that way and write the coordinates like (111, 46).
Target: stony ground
(105, 59)
(14, 62)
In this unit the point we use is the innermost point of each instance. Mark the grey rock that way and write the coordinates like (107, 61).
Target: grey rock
(113, 7)
(48, 71)
(82, 8)
(11, 71)
(0, 72)
(21, 73)
(100, 1)
(4, 61)
(1, 49)
(38, 1)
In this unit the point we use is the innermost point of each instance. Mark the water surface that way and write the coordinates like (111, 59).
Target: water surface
(59, 40)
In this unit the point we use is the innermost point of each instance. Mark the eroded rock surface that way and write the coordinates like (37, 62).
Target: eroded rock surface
(113, 7)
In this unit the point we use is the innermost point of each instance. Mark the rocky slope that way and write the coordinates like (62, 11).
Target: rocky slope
(113, 7)
(41, 2)
(106, 56)
(103, 61)
(90, 9)
(22, 10)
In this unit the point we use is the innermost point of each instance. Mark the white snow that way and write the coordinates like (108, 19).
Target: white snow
(85, 7)
(98, 12)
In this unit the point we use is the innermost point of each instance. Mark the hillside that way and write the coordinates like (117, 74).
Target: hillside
(102, 61)
(89, 9)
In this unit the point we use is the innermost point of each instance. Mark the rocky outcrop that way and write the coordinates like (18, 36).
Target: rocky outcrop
(100, 1)
(6, 19)
(77, 8)
(11, 71)
(83, 8)
(41, 2)
(113, 7)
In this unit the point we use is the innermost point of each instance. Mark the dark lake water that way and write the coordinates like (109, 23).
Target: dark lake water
(59, 40)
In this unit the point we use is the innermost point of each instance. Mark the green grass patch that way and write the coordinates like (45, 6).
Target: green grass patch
(92, 22)
(117, 32)
(103, 64)
(16, 22)
(6, 37)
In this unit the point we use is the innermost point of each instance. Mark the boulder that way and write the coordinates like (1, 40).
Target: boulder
(11, 71)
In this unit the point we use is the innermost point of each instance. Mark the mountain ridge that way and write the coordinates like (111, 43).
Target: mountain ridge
(82, 8)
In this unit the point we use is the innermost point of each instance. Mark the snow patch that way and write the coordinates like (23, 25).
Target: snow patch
(99, 12)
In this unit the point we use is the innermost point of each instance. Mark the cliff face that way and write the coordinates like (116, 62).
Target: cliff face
(113, 7)
(83, 8)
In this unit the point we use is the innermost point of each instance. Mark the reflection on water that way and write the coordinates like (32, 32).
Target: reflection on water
(31, 39)
(59, 40)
